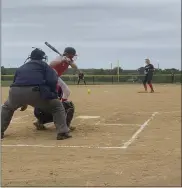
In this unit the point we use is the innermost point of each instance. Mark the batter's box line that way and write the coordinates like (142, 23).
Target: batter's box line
(125, 145)
(60, 146)
(120, 124)
(102, 122)
(136, 134)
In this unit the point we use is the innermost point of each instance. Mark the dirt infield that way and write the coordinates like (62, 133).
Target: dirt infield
(136, 141)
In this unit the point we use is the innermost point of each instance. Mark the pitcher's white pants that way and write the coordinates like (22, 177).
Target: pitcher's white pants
(64, 87)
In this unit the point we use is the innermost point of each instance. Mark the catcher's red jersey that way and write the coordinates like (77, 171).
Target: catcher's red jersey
(62, 66)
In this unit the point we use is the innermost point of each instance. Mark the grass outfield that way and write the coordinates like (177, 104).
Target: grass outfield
(8, 83)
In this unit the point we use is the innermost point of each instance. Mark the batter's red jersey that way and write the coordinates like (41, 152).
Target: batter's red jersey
(62, 66)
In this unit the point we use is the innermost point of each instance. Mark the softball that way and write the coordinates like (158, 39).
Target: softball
(88, 91)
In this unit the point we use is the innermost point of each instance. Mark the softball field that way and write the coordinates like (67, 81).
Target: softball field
(123, 138)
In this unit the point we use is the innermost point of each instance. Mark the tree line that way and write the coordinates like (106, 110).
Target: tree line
(114, 71)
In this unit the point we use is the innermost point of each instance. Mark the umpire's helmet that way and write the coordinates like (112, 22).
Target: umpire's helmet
(38, 54)
(69, 51)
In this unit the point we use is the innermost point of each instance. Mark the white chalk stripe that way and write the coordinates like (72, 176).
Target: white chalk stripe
(61, 146)
(87, 117)
(135, 135)
(119, 124)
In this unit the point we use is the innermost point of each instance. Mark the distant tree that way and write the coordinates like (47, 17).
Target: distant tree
(3, 70)
(115, 70)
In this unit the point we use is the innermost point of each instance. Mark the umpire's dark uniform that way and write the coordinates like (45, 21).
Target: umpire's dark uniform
(35, 84)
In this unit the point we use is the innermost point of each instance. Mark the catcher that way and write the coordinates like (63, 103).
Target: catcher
(45, 117)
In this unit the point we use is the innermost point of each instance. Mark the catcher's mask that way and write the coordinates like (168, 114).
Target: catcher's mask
(37, 54)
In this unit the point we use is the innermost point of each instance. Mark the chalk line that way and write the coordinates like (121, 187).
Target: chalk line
(135, 135)
(119, 124)
(87, 117)
(59, 146)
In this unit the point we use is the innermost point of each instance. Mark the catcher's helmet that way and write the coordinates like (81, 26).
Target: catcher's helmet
(38, 54)
(69, 51)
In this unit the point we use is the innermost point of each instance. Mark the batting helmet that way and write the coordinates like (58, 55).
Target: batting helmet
(69, 51)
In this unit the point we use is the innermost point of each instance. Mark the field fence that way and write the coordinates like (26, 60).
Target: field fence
(109, 79)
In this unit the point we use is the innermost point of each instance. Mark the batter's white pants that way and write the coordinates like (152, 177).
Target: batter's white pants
(64, 87)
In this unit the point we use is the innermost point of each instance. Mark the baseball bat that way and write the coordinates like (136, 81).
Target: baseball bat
(53, 48)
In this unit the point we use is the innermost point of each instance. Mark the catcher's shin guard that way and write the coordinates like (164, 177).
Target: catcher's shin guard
(70, 110)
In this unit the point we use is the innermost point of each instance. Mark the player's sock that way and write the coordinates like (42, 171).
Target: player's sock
(145, 86)
(151, 87)
(64, 99)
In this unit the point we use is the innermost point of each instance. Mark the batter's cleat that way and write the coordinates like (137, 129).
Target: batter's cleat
(63, 136)
(39, 126)
(152, 91)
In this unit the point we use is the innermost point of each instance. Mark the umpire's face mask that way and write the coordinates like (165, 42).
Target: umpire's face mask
(45, 58)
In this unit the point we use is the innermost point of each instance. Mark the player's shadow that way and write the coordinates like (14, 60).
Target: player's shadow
(148, 92)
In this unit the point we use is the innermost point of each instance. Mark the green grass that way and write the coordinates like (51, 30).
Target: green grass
(6, 83)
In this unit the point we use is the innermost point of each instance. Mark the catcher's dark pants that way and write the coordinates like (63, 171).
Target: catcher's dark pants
(45, 117)
(19, 96)
(147, 79)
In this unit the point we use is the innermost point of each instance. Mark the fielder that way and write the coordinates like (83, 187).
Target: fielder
(149, 70)
(61, 64)
(45, 117)
(81, 77)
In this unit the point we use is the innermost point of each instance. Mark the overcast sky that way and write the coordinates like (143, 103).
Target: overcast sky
(102, 31)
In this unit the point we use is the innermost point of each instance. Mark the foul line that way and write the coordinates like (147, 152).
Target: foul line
(58, 146)
(135, 135)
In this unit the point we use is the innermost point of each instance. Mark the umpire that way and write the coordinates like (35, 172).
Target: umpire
(35, 85)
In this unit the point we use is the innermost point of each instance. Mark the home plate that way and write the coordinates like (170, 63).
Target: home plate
(88, 117)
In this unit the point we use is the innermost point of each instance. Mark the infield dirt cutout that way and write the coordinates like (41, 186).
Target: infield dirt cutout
(134, 140)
